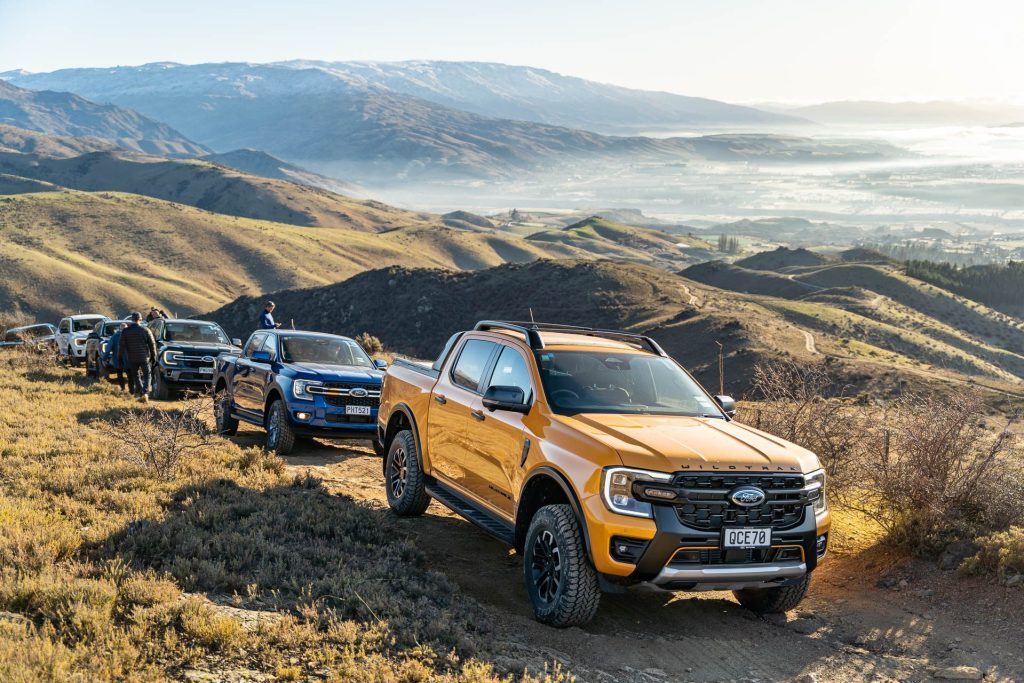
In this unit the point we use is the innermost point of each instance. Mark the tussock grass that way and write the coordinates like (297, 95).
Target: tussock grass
(114, 569)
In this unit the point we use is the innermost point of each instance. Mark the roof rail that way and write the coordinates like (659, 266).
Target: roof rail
(531, 329)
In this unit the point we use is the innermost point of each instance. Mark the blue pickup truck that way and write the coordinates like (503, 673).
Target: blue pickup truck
(299, 385)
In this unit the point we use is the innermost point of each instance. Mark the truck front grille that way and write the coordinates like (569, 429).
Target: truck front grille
(704, 504)
(339, 394)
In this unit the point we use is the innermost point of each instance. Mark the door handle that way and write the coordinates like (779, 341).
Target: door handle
(479, 416)
(440, 399)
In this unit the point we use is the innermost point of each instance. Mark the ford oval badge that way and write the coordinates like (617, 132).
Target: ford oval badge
(747, 496)
(358, 392)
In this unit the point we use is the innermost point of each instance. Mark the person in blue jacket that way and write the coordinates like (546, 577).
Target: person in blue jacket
(114, 361)
(267, 317)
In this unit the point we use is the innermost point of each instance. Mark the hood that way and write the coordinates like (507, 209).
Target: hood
(672, 443)
(340, 373)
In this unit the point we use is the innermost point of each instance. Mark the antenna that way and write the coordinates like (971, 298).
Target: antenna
(531, 315)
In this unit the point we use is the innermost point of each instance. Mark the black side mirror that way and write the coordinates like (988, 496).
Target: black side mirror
(506, 398)
(727, 404)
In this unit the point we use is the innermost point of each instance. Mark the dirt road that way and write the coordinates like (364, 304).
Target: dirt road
(847, 630)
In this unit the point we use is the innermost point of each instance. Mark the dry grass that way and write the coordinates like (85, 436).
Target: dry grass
(113, 569)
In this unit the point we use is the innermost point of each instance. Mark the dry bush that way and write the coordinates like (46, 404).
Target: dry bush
(162, 440)
(370, 343)
(802, 404)
(926, 468)
(937, 472)
(1001, 553)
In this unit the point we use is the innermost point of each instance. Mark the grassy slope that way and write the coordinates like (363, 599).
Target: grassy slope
(616, 240)
(210, 186)
(111, 252)
(221, 565)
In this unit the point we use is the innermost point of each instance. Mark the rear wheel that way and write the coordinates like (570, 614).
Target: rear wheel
(280, 436)
(226, 424)
(403, 478)
(560, 580)
(774, 600)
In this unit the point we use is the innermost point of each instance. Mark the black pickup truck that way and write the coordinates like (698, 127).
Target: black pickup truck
(187, 353)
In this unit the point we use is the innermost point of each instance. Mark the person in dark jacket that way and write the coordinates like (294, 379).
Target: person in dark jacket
(137, 350)
(155, 314)
(267, 317)
(113, 346)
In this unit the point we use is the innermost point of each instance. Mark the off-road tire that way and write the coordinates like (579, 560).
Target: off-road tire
(226, 424)
(555, 552)
(159, 391)
(280, 435)
(404, 482)
(378, 448)
(774, 600)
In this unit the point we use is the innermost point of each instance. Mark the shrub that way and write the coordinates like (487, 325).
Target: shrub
(370, 343)
(1001, 553)
(33, 539)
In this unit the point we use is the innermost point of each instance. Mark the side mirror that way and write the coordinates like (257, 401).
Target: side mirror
(727, 404)
(235, 341)
(506, 398)
(380, 364)
(261, 357)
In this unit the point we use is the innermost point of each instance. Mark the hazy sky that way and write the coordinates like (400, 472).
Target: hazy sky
(738, 50)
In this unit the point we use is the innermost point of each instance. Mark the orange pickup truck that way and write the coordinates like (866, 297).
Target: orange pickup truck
(605, 465)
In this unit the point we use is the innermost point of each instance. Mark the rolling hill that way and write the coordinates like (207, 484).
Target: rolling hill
(205, 185)
(781, 259)
(65, 114)
(610, 239)
(66, 251)
(352, 128)
(255, 162)
(23, 141)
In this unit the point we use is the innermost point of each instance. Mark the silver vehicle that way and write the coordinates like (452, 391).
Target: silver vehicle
(39, 335)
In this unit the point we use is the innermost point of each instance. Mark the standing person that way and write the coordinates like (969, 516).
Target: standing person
(138, 352)
(155, 314)
(115, 357)
(267, 317)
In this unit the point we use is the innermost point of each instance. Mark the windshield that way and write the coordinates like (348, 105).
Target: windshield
(326, 350)
(620, 383)
(84, 324)
(194, 332)
(110, 328)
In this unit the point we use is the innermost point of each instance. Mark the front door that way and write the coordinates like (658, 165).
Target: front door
(499, 449)
(247, 396)
(456, 413)
(64, 336)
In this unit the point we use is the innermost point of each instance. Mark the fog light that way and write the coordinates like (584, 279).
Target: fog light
(302, 416)
(821, 544)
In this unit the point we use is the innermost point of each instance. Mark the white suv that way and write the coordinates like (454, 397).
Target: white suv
(71, 334)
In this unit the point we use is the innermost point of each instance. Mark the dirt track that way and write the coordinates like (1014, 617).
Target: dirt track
(847, 630)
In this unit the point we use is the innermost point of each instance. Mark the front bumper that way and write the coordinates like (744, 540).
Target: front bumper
(180, 377)
(330, 421)
(679, 558)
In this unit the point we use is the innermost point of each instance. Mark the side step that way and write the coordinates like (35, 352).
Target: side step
(498, 528)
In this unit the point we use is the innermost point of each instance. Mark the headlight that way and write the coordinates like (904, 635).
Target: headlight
(79, 341)
(103, 347)
(172, 357)
(815, 483)
(300, 388)
(617, 490)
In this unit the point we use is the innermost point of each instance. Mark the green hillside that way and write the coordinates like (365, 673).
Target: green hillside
(609, 239)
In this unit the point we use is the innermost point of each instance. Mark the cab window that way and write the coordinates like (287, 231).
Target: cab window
(472, 361)
(511, 371)
(254, 344)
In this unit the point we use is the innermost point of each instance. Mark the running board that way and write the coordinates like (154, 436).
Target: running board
(498, 528)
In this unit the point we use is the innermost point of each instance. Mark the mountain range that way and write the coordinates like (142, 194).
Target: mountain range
(398, 123)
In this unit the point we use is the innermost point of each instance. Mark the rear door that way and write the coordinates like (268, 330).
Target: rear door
(498, 450)
(456, 412)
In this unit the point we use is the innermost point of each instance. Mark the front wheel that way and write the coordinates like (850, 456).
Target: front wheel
(160, 390)
(560, 581)
(226, 424)
(280, 436)
(774, 600)
(403, 478)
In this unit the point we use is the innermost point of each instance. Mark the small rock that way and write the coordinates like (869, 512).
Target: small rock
(959, 673)
(955, 553)
(775, 619)
(903, 584)
(807, 678)
(1014, 580)
(886, 582)
(804, 626)
(655, 672)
